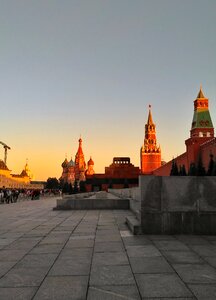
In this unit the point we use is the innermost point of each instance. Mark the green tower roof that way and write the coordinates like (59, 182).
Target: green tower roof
(202, 119)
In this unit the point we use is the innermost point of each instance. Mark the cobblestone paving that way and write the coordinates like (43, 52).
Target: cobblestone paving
(46, 254)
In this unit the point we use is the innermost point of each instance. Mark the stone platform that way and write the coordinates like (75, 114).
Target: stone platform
(98, 200)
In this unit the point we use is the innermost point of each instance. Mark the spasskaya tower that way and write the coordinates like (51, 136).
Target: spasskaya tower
(150, 153)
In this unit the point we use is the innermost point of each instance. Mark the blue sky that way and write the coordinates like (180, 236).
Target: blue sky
(92, 68)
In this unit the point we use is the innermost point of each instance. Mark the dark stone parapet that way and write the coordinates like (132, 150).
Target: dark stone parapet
(178, 205)
(100, 200)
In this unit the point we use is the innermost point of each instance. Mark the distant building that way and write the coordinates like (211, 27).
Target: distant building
(201, 143)
(150, 153)
(120, 174)
(121, 168)
(22, 180)
(76, 170)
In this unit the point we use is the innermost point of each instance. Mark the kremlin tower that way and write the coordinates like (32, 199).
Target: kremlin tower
(150, 153)
(201, 144)
(202, 128)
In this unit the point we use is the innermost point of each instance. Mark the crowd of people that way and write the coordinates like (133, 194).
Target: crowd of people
(9, 195)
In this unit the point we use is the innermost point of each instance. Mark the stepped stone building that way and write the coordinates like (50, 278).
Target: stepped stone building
(201, 141)
(120, 174)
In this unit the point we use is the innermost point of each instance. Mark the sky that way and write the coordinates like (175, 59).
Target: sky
(91, 68)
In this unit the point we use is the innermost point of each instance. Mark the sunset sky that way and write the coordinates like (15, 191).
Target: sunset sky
(92, 67)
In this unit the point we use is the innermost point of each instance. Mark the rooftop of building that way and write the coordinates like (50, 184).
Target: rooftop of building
(3, 165)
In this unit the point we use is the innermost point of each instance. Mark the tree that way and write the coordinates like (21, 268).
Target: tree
(192, 170)
(61, 183)
(174, 169)
(70, 189)
(52, 183)
(182, 171)
(65, 188)
(76, 190)
(82, 187)
(211, 166)
(200, 168)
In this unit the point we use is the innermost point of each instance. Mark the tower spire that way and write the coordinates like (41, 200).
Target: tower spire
(200, 94)
(150, 120)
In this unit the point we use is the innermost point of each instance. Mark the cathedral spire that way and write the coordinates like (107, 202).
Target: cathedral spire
(80, 165)
(150, 120)
(80, 151)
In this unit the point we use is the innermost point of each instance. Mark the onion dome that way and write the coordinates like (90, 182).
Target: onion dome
(71, 163)
(90, 162)
(65, 163)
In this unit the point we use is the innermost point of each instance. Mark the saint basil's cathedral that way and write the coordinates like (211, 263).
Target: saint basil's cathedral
(76, 170)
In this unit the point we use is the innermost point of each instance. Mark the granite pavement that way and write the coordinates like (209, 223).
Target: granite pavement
(50, 255)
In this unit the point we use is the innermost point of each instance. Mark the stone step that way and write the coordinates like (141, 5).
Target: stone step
(90, 203)
(133, 224)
